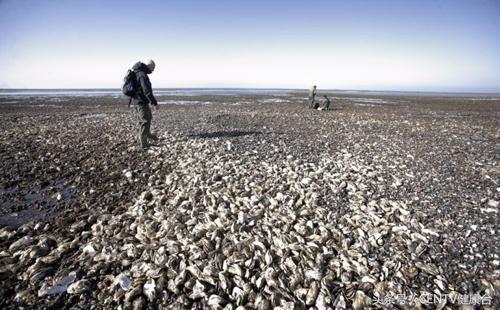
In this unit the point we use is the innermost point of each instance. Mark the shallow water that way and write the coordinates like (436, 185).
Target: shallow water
(364, 104)
(231, 92)
(158, 92)
(469, 138)
(181, 102)
(450, 115)
(91, 116)
(8, 190)
(273, 100)
(17, 219)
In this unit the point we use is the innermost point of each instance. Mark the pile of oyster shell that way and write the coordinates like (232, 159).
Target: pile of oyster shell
(223, 230)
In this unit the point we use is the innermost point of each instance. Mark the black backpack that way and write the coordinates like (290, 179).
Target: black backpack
(129, 87)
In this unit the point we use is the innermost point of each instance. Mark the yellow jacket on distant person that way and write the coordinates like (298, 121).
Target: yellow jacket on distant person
(312, 91)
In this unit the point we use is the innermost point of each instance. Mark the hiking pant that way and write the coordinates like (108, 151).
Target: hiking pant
(144, 116)
(311, 102)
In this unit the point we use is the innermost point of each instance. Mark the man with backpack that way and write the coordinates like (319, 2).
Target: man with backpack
(138, 87)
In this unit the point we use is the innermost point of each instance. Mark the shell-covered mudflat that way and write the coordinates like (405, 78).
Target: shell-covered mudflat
(251, 202)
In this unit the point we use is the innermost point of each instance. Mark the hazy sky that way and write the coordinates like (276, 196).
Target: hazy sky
(433, 45)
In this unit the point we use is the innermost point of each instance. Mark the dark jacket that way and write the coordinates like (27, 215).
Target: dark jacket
(144, 93)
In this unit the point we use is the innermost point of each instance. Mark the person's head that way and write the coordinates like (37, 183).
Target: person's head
(314, 86)
(151, 65)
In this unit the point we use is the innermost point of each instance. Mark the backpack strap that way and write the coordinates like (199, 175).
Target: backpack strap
(130, 98)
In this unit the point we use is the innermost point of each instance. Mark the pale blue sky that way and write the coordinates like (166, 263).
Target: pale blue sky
(429, 45)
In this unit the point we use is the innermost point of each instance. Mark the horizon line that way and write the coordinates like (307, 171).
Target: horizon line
(263, 88)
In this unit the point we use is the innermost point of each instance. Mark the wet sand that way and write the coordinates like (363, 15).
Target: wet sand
(73, 159)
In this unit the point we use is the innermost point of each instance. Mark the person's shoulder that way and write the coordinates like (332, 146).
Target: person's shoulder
(140, 74)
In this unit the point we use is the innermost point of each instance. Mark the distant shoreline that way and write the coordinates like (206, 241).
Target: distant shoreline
(231, 91)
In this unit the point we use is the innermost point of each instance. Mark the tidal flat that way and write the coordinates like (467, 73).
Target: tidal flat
(250, 201)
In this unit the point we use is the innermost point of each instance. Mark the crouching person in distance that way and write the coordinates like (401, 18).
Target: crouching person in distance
(326, 105)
